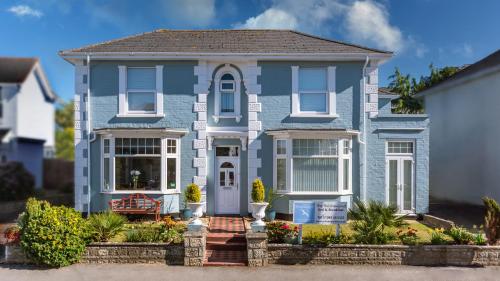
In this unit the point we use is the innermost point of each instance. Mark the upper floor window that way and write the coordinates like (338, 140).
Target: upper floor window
(141, 90)
(313, 92)
(400, 147)
(227, 89)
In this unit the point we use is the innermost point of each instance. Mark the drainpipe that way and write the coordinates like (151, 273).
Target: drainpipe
(364, 141)
(89, 138)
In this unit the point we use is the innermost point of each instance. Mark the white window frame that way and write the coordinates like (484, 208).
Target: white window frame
(289, 165)
(123, 91)
(403, 141)
(330, 95)
(401, 157)
(164, 156)
(218, 114)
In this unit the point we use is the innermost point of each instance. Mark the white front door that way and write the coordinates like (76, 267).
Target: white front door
(227, 185)
(400, 190)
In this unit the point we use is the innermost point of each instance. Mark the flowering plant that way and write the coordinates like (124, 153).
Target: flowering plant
(408, 237)
(280, 232)
(12, 235)
(135, 177)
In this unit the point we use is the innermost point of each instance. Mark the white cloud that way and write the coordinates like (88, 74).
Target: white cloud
(464, 50)
(368, 22)
(24, 10)
(271, 18)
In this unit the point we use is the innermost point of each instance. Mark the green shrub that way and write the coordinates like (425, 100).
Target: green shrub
(460, 235)
(193, 193)
(16, 183)
(148, 234)
(258, 191)
(371, 220)
(105, 226)
(326, 238)
(408, 237)
(479, 239)
(492, 220)
(438, 237)
(280, 232)
(173, 234)
(54, 236)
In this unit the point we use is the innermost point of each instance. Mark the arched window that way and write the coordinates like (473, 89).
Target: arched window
(227, 89)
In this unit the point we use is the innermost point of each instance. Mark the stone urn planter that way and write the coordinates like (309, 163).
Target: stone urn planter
(258, 213)
(197, 210)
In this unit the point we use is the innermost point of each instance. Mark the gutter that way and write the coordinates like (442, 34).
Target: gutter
(89, 137)
(364, 141)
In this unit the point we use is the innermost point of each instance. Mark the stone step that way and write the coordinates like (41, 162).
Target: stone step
(225, 237)
(229, 246)
(225, 258)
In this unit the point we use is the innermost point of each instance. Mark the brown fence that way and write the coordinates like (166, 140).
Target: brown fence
(58, 175)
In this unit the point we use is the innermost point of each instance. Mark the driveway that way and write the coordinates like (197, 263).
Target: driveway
(112, 272)
(461, 214)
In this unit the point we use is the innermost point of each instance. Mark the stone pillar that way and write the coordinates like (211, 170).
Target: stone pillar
(256, 248)
(194, 247)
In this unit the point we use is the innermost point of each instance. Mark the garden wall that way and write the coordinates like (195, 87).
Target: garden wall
(430, 255)
(134, 253)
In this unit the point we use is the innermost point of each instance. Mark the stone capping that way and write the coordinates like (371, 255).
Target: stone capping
(427, 255)
(108, 252)
(437, 222)
(194, 247)
(256, 248)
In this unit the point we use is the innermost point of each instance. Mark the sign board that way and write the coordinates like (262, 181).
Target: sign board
(371, 107)
(331, 212)
(371, 89)
(328, 212)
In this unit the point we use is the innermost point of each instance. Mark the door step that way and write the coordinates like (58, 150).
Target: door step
(226, 243)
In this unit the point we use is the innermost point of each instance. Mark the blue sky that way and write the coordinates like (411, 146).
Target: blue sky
(443, 32)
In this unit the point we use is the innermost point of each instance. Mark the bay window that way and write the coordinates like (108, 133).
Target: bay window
(140, 164)
(312, 166)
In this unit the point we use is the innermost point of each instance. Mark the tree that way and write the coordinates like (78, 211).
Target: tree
(407, 87)
(65, 131)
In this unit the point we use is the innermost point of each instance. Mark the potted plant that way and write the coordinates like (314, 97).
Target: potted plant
(186, 213)
(193, 198)
(258, 205)
(271, 198)
(135, 177)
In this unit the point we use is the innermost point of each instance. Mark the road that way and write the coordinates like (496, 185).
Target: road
(113, 272)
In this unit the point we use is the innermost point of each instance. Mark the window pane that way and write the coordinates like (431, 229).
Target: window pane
(171, 146)
(133, 146)
(281, 174)
(312, 79)
(347, 174)
(405, 147)
(281, 147)
(226, 77)
(227, 102)
(141, 78)
(227, 86)
(314, 147)
(227, 151)
(141, 101)
(222, 178)
(393, 182)
(231, 178)
(171, 173)
(407, 184)
(313, 102)
(315, 174)
(346, 146)
(106, 174)
(149, 173)
(106, 146)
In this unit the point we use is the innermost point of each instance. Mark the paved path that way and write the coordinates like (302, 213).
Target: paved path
(274, 273)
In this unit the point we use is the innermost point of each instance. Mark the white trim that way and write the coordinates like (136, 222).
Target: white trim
(140, 115)
(314, 115)
(227, 69)
(159, 90)
(332, 96)
(400, 193)
(235, 160)
(295, 91)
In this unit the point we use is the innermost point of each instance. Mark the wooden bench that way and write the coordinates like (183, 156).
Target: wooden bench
(136, 204)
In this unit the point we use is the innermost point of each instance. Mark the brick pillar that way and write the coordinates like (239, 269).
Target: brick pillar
(256, 248)
(194, 247)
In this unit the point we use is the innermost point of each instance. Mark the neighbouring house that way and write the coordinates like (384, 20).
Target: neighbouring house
(464, 110)
(221, 108)
(26, 114)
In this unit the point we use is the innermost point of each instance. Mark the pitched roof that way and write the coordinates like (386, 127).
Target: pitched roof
(264, 41)
(491, 61)
(15, 70)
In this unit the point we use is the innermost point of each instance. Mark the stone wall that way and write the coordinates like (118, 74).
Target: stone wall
(134, 253)
(256, 248)
(430, 255)
(194, 247)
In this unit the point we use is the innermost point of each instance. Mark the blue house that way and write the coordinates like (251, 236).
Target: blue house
(27, 127)
(221, 108)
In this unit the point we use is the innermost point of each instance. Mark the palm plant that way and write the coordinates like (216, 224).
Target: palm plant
(370, 221)
(106, 225)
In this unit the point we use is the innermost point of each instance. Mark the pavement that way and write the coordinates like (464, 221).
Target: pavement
(111, 272)
(461, 214)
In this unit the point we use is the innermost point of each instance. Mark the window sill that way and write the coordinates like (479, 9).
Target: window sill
(217, 117)
(313, 193)
(314, 115)
(140, 115)
(161, 192)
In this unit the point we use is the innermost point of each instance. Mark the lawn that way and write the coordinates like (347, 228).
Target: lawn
(423, 231)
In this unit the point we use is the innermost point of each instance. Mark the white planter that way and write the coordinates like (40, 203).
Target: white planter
(197, 209)
(259, 212)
